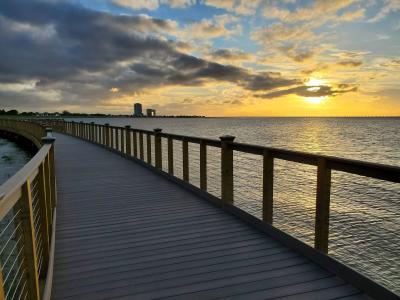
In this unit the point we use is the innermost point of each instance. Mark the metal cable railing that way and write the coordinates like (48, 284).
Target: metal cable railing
(27, 204)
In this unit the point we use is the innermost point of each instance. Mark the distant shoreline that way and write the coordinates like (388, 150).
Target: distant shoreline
(188, 117)
(224, 117)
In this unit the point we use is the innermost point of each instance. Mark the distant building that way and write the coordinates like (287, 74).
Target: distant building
(150, 112)
(137, 110)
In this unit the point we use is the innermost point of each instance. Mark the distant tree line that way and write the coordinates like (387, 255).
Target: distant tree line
(66, 113)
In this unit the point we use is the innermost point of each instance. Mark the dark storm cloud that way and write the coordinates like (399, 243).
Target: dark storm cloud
(311, 91)
(78, 40)
(80, 54)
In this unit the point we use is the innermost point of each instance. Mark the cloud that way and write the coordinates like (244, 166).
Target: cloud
(84, 54)
(187, 101)
(242, 7)
(350, 54)
(219, 26)
(296, 34)
(352, 15)
(153, 4)
(311, 91)
(388, 7)
(295, 42)
(350, 63)
(183, 69)
(391, 63)
(319, 12)
(229, 55)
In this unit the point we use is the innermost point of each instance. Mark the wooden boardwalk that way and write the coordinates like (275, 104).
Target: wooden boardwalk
(125, 232)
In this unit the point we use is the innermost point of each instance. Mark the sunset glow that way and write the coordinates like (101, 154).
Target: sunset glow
(214, 58)
(315, 100)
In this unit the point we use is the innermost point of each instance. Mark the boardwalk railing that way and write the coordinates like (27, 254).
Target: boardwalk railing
(27, 219)
(134, 142)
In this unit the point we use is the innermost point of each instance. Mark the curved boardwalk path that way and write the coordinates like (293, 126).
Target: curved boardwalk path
(124, 232)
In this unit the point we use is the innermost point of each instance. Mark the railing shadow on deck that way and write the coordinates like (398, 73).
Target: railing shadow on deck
(146, 147)
(27, 219)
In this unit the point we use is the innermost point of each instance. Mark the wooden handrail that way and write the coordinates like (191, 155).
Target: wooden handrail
(32, 186)
(325, 165)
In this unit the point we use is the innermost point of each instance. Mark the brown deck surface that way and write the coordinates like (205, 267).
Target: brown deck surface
(124, 232)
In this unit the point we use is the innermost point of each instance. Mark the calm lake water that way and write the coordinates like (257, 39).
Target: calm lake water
(12, 158)
(365, 213)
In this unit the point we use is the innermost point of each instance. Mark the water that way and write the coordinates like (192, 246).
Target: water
(12, 158)
(365, 215)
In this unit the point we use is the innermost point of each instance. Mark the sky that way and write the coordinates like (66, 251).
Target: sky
(202, 57)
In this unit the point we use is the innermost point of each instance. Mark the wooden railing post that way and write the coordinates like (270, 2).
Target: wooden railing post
(148, 138)
(268, 186)
(2, 293)
(91, 138)
(227, 168)
(141, 145)
(123, 135)
(73, 128)
(158, 148)
(51, 172)
(103, 135)
(96, 133)
(203, 165)
(107, 134)
(128, 140)
(112, 135)
(117, 138)
(170, 156)
(322, 206)
(28, 237)
(81, 129)
(135, 146)
(185, 160)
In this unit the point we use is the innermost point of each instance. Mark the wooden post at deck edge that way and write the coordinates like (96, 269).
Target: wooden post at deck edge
(227, 168)
(322, 206)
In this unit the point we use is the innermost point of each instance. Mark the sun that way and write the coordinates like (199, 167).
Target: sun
(314, 85)
(315, 82)
(314, 100)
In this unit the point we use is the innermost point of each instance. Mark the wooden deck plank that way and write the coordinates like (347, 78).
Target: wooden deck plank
(126, 232)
